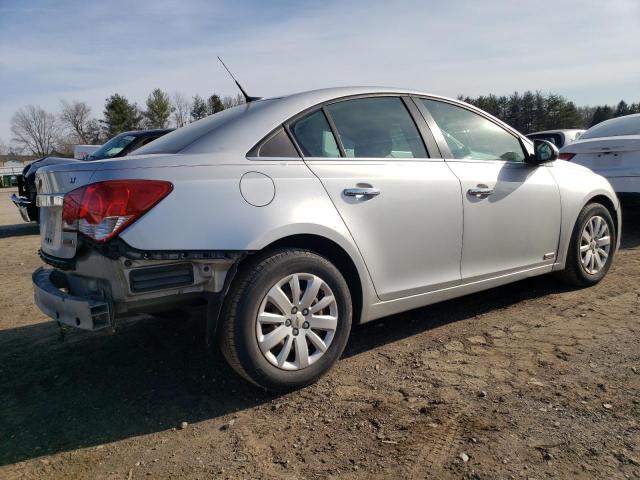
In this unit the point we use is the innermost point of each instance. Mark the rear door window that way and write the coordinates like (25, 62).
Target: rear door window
(314, 136)
(377, 127)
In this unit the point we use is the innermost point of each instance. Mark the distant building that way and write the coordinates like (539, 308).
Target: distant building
(12, 160)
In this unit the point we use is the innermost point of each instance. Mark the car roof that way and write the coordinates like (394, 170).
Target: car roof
(241, 127)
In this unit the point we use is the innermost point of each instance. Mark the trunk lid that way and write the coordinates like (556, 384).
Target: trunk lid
(608, 156)
(627, 143)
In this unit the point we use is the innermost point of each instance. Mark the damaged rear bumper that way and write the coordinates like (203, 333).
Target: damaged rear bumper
(93, 291)
(52, 297)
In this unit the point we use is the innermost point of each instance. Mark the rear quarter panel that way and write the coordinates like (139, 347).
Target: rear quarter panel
(207, 211)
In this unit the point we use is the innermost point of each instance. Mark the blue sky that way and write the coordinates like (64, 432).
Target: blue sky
(587, 50)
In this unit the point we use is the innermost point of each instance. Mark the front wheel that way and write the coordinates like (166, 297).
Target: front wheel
(592, 247)
(286, 319)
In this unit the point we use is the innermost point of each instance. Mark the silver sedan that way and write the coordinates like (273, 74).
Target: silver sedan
(294, 217)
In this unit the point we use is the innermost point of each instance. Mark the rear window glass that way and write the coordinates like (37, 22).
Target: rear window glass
(183, 137)
(277, 145)
(616, 127)
(377, 127)
(112, 148)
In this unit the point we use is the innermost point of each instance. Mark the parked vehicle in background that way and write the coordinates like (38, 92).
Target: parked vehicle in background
(611, 149)
(293, 217)
(119, 146)
(81, 152)
(559, 138)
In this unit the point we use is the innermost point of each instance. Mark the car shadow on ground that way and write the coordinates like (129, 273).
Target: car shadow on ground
(19, 230)
(630, 227)
(154, 373)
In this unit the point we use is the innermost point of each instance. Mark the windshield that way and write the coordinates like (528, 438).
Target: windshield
(112, 148)
(616, 127)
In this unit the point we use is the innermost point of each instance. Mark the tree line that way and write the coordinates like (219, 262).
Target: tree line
(38, 132)
(41, 133)
(535, 111)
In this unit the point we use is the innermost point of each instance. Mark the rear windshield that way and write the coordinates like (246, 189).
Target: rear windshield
(183, 137)
(112, 148)
(616, 127)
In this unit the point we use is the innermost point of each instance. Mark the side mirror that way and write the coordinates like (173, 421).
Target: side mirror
(544, 152)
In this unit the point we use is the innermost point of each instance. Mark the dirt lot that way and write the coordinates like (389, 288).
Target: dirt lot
(8, 212)
(532, 380)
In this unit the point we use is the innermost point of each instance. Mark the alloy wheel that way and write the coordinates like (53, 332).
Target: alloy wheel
(595, 245)
(297, 321)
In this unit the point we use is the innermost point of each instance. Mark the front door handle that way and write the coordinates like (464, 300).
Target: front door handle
(481, 191)
(361, 192)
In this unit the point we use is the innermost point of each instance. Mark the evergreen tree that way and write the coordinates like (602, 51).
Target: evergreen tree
(198, 108)
(569, 116)
(540, 122)
(214, 104)
(600, 115)
(528, 112)
(158, 110)
(622, 109)
(120, 115)
(514, 111)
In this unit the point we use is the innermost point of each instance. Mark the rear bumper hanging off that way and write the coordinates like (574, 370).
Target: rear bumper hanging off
(68, 309)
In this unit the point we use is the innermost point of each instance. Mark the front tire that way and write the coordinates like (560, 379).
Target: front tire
(286, 319)
(592, 247)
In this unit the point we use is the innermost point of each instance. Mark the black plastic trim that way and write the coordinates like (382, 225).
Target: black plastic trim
(162, 277)
(334, 130)
(60, 263)
(429, 140)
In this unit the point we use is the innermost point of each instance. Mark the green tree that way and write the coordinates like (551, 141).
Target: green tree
(159, 110)
(214, 104)
(198, 108)
(540, 122)
(528, 112)
(622, 109)
(601, 114)
(120, 115)
(514, 111)
(569, 116)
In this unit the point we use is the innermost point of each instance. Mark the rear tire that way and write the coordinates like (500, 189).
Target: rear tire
(593, 237)
(278, 342)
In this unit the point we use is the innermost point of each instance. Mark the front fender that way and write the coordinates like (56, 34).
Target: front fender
(578, 187)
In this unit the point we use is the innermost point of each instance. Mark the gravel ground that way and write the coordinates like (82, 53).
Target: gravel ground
(532, 380)
(8, 212)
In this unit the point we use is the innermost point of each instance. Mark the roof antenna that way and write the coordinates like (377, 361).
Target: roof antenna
(247, 98)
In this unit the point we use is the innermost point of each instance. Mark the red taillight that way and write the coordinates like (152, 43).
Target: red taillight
(566, 156)
(101, 210)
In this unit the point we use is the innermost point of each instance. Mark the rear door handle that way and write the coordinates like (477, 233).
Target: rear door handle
(361, 192)
(481, 191)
